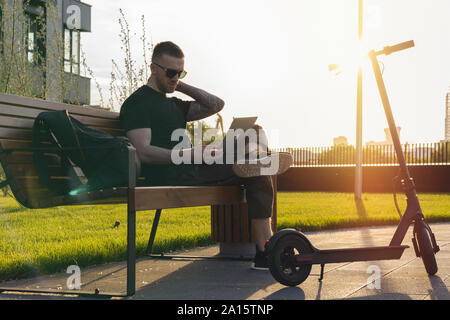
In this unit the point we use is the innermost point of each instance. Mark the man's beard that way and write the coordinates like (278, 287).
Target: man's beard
(165, 87)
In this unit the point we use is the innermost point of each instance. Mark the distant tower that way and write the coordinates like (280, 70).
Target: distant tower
(340, 141)
(387, 132)
(447, 115)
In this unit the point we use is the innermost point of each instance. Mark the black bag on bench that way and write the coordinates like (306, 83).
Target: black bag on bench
(102, 157)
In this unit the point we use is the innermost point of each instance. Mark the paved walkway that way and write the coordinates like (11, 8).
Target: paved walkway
(402, 279)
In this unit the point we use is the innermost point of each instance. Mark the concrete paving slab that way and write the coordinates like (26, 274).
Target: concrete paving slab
(195, 279)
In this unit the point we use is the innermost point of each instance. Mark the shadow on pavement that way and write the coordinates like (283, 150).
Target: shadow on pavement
(288, 293)
(440, 290)
(208, 280)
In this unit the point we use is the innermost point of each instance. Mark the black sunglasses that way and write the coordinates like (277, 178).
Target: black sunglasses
(172, 73)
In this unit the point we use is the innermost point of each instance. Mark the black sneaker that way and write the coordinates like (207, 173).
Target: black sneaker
(260, 261)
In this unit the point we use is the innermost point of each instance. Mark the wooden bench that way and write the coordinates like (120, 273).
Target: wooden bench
(17, 116)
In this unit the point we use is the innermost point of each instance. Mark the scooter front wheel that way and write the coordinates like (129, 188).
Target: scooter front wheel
(279, 260)
(426, 249)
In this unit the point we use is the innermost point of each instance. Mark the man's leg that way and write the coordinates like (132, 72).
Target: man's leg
(262, 229)
(259, 196)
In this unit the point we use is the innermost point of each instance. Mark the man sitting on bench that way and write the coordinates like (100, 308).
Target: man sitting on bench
(149, 119)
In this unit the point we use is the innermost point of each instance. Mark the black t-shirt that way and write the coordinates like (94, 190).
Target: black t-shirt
(147, 108)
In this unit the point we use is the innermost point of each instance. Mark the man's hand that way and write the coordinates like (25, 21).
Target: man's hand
(205, 104)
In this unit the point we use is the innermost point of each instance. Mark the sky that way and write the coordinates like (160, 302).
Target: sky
(270, 59)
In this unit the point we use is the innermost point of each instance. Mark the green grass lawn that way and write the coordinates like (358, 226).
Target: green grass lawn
(311, 211)
(49, 240)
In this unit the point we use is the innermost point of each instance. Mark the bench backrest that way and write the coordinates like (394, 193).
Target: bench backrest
(17, 116)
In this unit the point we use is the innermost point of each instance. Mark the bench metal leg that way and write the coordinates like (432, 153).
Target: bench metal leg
(153, 232)
(131, 252)
(131, 223)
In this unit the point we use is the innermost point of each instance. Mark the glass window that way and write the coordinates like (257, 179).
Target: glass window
(76, 52)
(67, 45)
(72, 51)
(30, 47)
(35, 38)
(29, 37)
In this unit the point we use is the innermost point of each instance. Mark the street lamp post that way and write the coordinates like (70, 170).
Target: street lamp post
(358, 160)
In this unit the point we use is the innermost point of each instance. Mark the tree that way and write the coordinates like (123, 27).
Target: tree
(127, 78)
(336, 155)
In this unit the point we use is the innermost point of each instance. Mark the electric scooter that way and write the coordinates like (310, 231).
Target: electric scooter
(290, 253)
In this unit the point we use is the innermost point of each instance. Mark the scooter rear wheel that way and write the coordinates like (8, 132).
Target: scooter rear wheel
(284, 272)
(426, 250)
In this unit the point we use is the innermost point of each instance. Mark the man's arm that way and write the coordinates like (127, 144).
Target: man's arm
(205, 104)
(141, 138)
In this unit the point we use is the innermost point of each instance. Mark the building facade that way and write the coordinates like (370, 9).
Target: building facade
(340, 141)
(40, 48)
(387, 140)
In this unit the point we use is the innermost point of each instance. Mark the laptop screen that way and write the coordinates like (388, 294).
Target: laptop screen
(243, 123)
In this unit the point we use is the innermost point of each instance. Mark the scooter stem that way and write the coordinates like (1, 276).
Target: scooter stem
(413, 210)
(389, 116)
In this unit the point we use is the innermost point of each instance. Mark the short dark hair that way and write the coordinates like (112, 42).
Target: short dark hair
(167, 47)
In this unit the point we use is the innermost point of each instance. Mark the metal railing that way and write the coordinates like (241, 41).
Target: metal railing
(373, 155)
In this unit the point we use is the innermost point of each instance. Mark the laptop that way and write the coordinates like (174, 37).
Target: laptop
(243, 123)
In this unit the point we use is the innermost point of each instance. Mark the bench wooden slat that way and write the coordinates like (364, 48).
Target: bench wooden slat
(213, 222)
(14, 100)
(23, 157)
(32, 181)
(243, 207)
(13, 144)
(6, 121)
(18, 144)
(26, 133)
(19, 111)
(108, 196)
(228, 224)
(19, 164)
(233, 224)
(31, 113)
(221, 220)
(236, 220)
(27, 125)
(23, 170)
(149, 198)
(204, 197)
(28, 191)
(14, 133)
(19, 121)
(26, 158)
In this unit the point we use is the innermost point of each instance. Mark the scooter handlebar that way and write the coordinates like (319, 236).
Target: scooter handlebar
(398, 47)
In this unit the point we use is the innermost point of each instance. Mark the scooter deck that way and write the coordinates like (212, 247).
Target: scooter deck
(350, 255)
